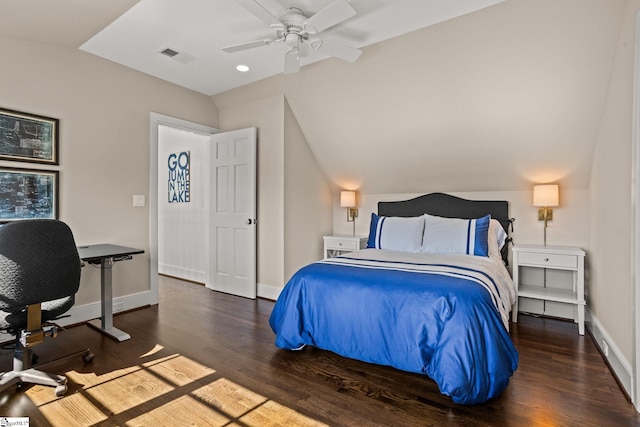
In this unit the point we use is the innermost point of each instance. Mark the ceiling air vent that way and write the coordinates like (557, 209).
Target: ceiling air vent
(181, 57)
(169, 52)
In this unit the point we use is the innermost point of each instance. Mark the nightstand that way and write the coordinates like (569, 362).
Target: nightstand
(342, 244)
(551, 257)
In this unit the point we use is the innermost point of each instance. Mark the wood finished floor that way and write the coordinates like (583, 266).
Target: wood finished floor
(205, 358)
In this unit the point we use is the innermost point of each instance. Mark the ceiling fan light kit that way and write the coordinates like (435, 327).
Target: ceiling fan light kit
(294, 29)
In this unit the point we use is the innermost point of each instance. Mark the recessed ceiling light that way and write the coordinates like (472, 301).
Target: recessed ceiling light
(242, 68)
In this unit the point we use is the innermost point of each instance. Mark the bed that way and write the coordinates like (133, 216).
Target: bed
(431, 294)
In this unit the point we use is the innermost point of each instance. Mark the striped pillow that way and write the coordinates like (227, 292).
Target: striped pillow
(395, 233)
(456, 235)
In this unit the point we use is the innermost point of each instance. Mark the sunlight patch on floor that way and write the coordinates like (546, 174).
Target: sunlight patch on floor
(129, 391)
(153, 351)
(75, 407)
(229, 398)
(164, 391)
(273, 413)
(185, 410)
(178, 370)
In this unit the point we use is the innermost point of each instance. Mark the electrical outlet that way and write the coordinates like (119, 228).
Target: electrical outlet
(605, 348)
(138, 200)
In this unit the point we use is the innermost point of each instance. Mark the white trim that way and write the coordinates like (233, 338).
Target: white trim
(83, 313)
(157, 119)
(635, 226)
(183, 273)
(268, 291)
(620, 366)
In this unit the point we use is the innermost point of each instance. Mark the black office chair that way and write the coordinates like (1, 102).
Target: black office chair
(39, 277)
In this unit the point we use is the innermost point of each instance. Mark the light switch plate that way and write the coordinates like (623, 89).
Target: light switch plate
(138, 200)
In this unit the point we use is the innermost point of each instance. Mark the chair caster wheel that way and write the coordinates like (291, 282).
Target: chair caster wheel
(88, 358)
(61, 390)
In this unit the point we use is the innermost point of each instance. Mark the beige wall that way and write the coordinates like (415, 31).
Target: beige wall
(308, 201)
(610, 284)
(103, 110)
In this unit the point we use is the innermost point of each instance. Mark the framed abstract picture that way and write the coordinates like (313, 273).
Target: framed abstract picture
(28, 138)
(28, 194)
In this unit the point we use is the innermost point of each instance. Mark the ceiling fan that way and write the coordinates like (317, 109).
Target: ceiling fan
(296, 31)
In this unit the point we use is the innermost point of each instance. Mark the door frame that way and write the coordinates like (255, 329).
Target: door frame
(635, 226)
(156, 120)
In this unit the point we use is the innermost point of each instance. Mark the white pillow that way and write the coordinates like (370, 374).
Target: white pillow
(497, 238)
(396, 233)
(456, 235)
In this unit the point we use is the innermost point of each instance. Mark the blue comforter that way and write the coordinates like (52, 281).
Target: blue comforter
(443, 316)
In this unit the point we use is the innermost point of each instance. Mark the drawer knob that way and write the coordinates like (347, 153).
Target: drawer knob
(546, 259)
(339, 244)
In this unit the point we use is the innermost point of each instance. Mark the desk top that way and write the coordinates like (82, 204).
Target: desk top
(101, 251)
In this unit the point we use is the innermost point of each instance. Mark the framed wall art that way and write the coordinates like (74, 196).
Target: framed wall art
(179, 177)
(28, 138)
(28, 194)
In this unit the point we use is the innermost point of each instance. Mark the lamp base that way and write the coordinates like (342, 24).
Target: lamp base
(545, 214)
(352, 214)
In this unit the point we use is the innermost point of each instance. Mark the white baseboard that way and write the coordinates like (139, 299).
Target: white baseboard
(268, 291)
(82, 313)
(620, 366)
(182, 273)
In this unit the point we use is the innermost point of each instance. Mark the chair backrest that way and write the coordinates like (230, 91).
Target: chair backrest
(39, 262)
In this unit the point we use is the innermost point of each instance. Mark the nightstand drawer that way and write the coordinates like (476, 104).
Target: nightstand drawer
(342, 243)
(548, 260)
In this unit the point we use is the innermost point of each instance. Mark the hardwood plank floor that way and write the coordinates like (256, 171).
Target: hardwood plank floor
(206, 358)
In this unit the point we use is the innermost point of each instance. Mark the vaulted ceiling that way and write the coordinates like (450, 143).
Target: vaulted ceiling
(498, 99)
(447, 95)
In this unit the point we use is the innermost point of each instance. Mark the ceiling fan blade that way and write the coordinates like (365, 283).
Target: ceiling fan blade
(247, 45)
(338, 50)
(331, 15)
(291, 62)
(267, 10)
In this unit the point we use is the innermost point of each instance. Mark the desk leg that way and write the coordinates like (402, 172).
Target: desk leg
(105, 323)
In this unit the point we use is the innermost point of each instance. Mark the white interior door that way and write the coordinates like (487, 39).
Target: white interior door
(233, 213)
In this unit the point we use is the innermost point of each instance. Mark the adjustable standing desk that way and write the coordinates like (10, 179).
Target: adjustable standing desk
(106, 255)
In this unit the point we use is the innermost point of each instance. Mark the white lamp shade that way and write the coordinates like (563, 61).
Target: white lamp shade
(348, 199)
(545, 195)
